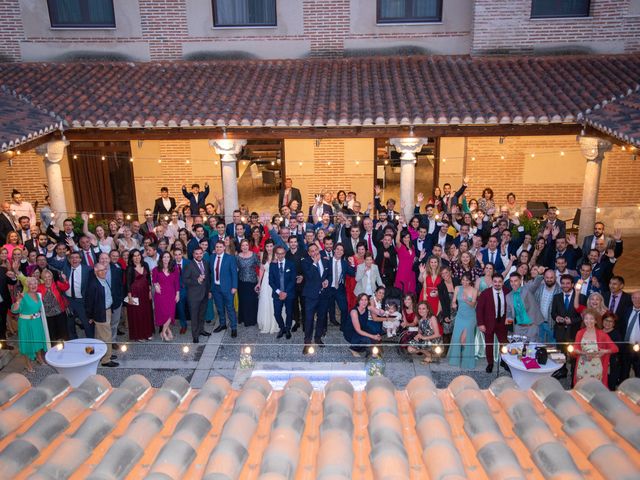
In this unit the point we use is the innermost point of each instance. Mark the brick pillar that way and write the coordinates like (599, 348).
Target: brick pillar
(164, 26)
(593, 149)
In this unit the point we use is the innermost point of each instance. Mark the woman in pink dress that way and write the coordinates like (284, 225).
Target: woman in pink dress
(166, 294)
(350, 280)
(405, 276)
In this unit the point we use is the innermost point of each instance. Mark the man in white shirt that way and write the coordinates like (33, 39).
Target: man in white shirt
(78, 275)
(22, 209)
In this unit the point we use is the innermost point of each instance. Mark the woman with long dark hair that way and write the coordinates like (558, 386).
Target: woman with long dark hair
(139, 311)
(166, 293)
(266, 317)
(405, 276)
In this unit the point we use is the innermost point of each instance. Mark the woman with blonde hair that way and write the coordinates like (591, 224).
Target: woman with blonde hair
(33, 336)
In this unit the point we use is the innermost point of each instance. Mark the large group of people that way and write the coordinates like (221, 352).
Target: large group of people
(457, 274)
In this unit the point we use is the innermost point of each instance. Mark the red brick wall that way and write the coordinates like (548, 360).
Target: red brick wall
(26, 174)
(164, 26)
(326, 23)
(506, 25)
(505, 175)
(11, 31)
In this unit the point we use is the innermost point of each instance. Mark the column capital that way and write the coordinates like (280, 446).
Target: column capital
(55, 150)
(228, 148)
(594, 148)
(408, 147)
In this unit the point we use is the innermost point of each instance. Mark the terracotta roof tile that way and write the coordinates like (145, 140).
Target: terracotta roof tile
(412, 90)
(95, 431)
(20, 121)
(619, 118)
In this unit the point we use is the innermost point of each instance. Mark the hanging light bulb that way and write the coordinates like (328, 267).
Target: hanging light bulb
(597, 209)
(438, 350)
(188, 162)
(501, 157)
(386, 162)
(128, 217)
(504, 349)
(159, 160)
(533, 155)
(166, 217)
(473, 159)
(59, 346)
(103, 157)
(300, 163)
(636, 347)
(131, 159)
(123, 348)
(75, 157)
(357, 162)
(570, 349)
(185, 349)
(91, 215)
(562, 154)
(311, 350)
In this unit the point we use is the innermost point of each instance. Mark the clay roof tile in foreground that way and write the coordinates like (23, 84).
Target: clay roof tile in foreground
(96, 431)
(368, 91)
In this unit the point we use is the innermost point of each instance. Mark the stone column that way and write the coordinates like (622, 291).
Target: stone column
(55, 152)
(408, 147)
(593, 149)
(228, 149)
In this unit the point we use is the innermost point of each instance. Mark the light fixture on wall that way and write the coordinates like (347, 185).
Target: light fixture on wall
(411, 131)
(317, 142)
(140, 143)
(501, 140)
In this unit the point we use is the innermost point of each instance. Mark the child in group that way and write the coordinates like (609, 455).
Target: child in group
(394, 318)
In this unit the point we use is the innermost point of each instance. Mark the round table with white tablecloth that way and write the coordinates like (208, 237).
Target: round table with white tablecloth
(522, 376)
(73, 362)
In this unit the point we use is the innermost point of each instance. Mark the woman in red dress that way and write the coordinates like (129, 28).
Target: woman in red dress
(592, 348)
(350, 280)
(139, 312)
(430, 279)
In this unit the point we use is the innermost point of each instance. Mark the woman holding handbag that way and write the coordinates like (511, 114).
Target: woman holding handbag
(54, 303)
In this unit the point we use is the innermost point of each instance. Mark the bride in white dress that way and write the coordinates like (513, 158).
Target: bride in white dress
(266, 319)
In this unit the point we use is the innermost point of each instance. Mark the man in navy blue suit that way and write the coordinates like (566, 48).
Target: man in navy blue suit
(197, 199)
(492, 254)
(317, 278)
(337, 293)
(224, 284)
(282, 280)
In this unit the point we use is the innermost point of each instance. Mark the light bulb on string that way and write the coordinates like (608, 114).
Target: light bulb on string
(128, 217)
(636, 347)
(131, 159)
(504, 349)
(75, 157)
(59, 346)
(311, 350)
(533, 155)
(188, 162)
(570, 349)
(473, 159)
(159, 160)
(103, 158)
(562, 154)
(438, 350)
(185, 349)
(123, 348)
(501, 157)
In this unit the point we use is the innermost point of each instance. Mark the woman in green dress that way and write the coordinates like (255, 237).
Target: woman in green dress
(32, 338)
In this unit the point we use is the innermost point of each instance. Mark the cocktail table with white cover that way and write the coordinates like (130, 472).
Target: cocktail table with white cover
(521, 376)
(73, 362)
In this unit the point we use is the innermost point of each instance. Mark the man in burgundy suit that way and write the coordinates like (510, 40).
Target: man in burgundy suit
(491, 316)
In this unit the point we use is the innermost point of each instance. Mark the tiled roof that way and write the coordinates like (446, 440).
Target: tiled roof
(619, 118)
(21, 122)
(409, 90)
(217, 433)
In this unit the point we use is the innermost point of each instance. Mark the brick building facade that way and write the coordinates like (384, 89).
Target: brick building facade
(183, 29)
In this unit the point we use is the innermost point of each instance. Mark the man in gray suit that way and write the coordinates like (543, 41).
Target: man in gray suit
(197, 278)
(522, 309)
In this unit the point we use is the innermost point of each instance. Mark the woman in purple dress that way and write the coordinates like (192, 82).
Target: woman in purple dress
(405, 277)
(139, 313)
(166, 294)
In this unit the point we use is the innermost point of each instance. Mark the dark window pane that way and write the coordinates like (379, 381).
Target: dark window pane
(250, 13)
(559, 8)
(81, 13)
(407, 11)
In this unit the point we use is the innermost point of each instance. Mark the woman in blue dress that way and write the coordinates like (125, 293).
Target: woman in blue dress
(462, 349)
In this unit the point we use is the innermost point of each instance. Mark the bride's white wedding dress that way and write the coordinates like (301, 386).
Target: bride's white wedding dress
(266, 319)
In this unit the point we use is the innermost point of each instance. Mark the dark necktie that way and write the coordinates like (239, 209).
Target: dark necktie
(73, 283)
(566, 301)
(281, 268)
(612, 305)
(499, 305)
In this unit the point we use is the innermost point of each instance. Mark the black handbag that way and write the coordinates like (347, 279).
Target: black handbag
(541, 355)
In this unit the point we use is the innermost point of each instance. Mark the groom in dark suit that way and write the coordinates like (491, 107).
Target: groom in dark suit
(317, 278)
(282, 280)
(491, 313)
(197, 279)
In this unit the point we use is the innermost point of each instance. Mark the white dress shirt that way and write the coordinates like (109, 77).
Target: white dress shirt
(634, 319)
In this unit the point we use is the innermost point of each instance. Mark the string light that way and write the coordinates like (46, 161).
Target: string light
(131, 159)
(438, 350)
(75, 157)
(300, 163)
(166, 217)
(562, 154)
(329, 163)
(375, 351)
(533, 155)
(185, 349)
(91, 215)
(18, 152)
(123, 348)
(357, 162)
(557, 212)
(159, 160)
(473, 159)
(311, 350)
(128, 217)
(597, 209)
(273, 163)
(188, 162)
(386, 162)
(570, 348)
(623, 148)
(504, 349)
(501, 157)
(59, 346)
(247, 350)
(0, 345)
(103, 158)
(636, 347)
